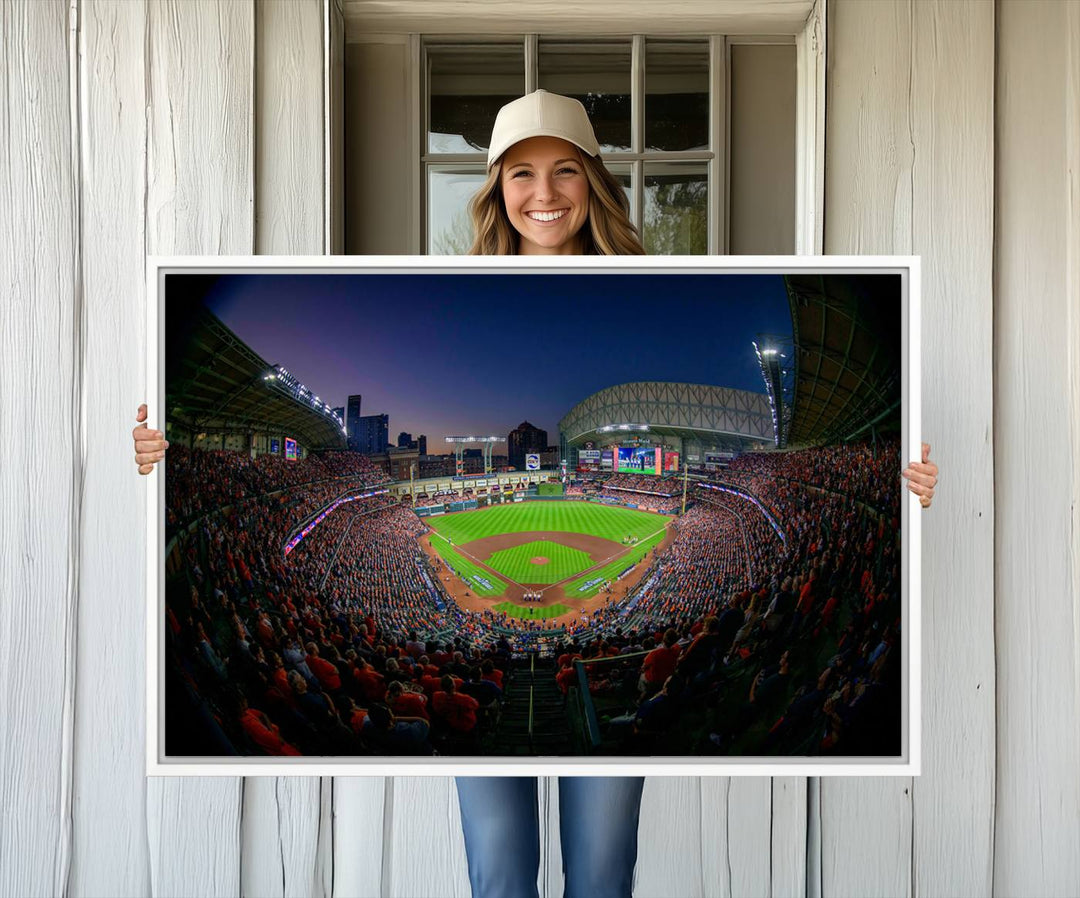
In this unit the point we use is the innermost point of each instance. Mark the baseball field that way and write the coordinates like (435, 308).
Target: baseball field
(563, 550)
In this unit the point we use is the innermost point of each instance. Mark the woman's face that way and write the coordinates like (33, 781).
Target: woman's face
(546, 195)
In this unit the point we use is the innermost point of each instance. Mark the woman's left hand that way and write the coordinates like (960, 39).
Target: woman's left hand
(922, 477)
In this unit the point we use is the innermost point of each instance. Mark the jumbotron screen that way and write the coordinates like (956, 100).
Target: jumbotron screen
(290, 449)
(639, 460)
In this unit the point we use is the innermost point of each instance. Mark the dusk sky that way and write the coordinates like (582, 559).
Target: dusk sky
(480, 353)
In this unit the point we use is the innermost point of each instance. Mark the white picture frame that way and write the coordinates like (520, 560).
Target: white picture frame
(908, 763)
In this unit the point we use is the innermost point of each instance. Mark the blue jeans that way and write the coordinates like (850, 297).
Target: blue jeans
(598, 823)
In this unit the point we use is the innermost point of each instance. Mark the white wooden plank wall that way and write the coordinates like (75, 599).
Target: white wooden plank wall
(1037, 367)
(868, 158)
(285, 850)
(909, 156)
(42, 465)
(199, 197)
(179, 127)
(952, 228)
(109, 813)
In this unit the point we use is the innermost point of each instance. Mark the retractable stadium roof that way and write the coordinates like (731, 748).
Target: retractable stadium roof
(732, 420)
(847, 332)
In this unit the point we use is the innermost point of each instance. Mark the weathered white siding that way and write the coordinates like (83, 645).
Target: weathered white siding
(1037, 451)
(110, 791)
(953, 132)
(909, 150)
(41, 473)
(199, 199)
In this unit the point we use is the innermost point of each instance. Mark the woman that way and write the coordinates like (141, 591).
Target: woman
(547, 193)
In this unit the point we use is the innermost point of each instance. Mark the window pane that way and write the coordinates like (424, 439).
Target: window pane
(676, 209)
(624, 176)
(597, 74)
(467, 84)
(449, 191)
(676, 95)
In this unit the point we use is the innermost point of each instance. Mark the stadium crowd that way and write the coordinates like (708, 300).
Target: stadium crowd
(661, 504)
(864, 471)
(645, 483)
(199, 481)
(804, 653)
(789, 640)
(264, 662)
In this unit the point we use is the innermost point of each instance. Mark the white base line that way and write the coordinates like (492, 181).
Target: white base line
(607, 560)
(461, 551)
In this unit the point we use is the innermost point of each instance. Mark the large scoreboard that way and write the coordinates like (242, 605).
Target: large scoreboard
(647, 460)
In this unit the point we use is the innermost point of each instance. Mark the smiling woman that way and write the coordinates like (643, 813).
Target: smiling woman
(547, 190)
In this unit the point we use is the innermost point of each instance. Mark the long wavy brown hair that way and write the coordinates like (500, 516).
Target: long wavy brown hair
(607, 231)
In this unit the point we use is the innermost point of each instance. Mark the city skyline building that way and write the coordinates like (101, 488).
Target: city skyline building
(352, 421)
(373, 434)
(524, 439)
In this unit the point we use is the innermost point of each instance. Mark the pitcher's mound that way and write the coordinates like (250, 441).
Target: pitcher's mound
(538, 559)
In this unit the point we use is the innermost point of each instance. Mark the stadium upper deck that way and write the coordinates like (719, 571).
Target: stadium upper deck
(217, 385)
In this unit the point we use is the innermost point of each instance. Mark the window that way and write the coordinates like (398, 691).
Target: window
(658, 105)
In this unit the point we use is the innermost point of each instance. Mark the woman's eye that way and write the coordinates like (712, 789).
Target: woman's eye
(567, 171)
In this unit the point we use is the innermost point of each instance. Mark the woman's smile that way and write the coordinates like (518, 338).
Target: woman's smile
(553, 215)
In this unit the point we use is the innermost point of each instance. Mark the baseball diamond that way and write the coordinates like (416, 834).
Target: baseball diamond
(566, 550)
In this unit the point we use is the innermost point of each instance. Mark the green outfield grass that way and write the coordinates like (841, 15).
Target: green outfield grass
(570, 517)
(531, 612)
(562, 562)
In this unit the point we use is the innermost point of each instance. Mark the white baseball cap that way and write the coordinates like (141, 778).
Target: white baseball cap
(541, 114)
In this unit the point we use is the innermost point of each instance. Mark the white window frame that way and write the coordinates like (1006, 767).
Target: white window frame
(809, 42)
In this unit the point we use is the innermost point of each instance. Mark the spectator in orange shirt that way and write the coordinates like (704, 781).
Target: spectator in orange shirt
(569, 655)
(456, 709)
(566, 678)
(264, 630)
(659, 664)
(372, 683)
(407, 701)
(262, 731)
(349, 712)
(279, 679)
(325, 672)
(431, 683)
(488, 671)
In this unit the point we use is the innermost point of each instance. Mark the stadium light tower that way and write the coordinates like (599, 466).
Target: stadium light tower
(459, 450)
(775, 356)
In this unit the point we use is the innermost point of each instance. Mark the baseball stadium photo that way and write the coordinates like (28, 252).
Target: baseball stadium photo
(513, 515)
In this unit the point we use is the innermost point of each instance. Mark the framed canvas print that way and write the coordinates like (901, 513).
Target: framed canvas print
(498, 515)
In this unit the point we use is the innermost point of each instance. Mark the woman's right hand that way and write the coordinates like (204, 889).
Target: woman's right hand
(150, 445)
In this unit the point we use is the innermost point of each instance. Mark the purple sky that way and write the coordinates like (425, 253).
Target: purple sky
(480, 353)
